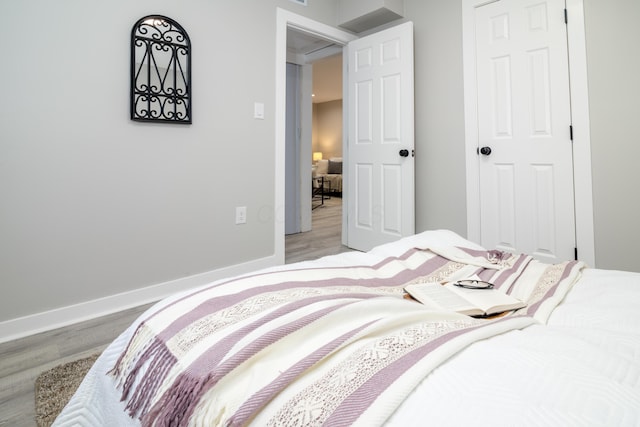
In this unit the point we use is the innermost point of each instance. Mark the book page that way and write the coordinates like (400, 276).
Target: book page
(436, 296)
(488, 300)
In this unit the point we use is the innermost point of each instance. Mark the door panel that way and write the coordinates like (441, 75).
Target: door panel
(364, 112)
(381, 182)
(506, 214)
(501, 97)
(392, 196)
(391, 109)
(544, 215)
(526, 182)
(363, 196)
(540, 92)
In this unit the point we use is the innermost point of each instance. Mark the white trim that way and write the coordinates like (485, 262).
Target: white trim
(65, 316)
(581, 132)
(285, 19)
(580, 118)
(306, 134)
(471, 119)
(345, 152)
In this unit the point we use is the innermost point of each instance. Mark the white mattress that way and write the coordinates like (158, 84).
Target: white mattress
(582, 368)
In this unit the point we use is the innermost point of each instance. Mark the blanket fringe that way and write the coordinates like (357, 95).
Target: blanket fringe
(141, 340)
(160, 361)
(177, 403)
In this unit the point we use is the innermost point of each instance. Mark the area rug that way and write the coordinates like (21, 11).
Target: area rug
(54, 388)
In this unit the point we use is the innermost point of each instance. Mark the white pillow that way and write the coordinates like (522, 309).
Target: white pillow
(322, 167)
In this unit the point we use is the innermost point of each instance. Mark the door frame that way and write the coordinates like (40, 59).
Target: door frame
(293, 196)
(579, 99)
(286, 19)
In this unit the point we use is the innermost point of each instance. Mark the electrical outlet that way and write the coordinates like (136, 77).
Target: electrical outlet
(241, 215)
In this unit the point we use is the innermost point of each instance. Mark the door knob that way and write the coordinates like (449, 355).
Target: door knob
(485, 151)
(404, 153)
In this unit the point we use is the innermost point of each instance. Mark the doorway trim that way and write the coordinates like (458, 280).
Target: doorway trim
(285, 19)
(579, 94)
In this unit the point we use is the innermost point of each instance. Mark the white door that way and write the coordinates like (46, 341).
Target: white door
(524, 118)
(380, 163)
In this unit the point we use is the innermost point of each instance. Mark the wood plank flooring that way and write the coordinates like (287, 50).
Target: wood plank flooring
(324, 237)
(22, 360)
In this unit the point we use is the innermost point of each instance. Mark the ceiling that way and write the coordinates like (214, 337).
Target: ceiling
(326, 58)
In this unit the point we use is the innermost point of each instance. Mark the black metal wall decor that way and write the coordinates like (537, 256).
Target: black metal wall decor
(160, 71)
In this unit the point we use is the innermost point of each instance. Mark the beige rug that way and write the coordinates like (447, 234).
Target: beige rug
(55, 387)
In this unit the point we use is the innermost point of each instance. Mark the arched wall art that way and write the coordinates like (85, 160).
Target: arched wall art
(160, 71)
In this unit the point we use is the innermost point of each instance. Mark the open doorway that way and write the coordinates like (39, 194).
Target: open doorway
(327, 131)
(380, 200)
(313, 196)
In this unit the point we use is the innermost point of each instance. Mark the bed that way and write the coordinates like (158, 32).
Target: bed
(336, 342)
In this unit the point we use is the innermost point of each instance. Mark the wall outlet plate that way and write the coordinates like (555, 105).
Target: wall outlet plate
(241, 215)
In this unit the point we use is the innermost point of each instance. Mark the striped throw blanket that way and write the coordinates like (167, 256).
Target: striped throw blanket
(314, 346)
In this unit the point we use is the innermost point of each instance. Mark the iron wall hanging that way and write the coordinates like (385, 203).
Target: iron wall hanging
(160, 71)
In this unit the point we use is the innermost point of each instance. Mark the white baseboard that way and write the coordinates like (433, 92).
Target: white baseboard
(64, 316)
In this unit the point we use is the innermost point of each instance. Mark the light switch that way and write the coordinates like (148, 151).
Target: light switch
(258, 110)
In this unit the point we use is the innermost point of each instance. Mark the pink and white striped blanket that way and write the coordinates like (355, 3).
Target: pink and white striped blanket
(334, 346)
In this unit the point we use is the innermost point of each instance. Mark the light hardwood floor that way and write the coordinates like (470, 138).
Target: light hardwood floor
(324, 237)
(22, 360)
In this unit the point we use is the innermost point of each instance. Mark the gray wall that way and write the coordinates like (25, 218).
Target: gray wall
(613, 58)
(93, 204)
(439, 115)
(327, 128)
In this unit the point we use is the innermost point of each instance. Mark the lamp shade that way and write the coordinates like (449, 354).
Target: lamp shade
(317, 155)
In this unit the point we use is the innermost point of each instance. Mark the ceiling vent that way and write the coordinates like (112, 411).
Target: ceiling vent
(363, 15)
(302, 2)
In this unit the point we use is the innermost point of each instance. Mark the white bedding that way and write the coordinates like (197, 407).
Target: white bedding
(582, 368)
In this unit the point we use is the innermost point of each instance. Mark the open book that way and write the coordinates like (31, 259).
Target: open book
(472, 302)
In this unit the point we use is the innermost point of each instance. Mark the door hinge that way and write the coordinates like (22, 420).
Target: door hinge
(575, 253)
(571, 132)
(566, 17)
